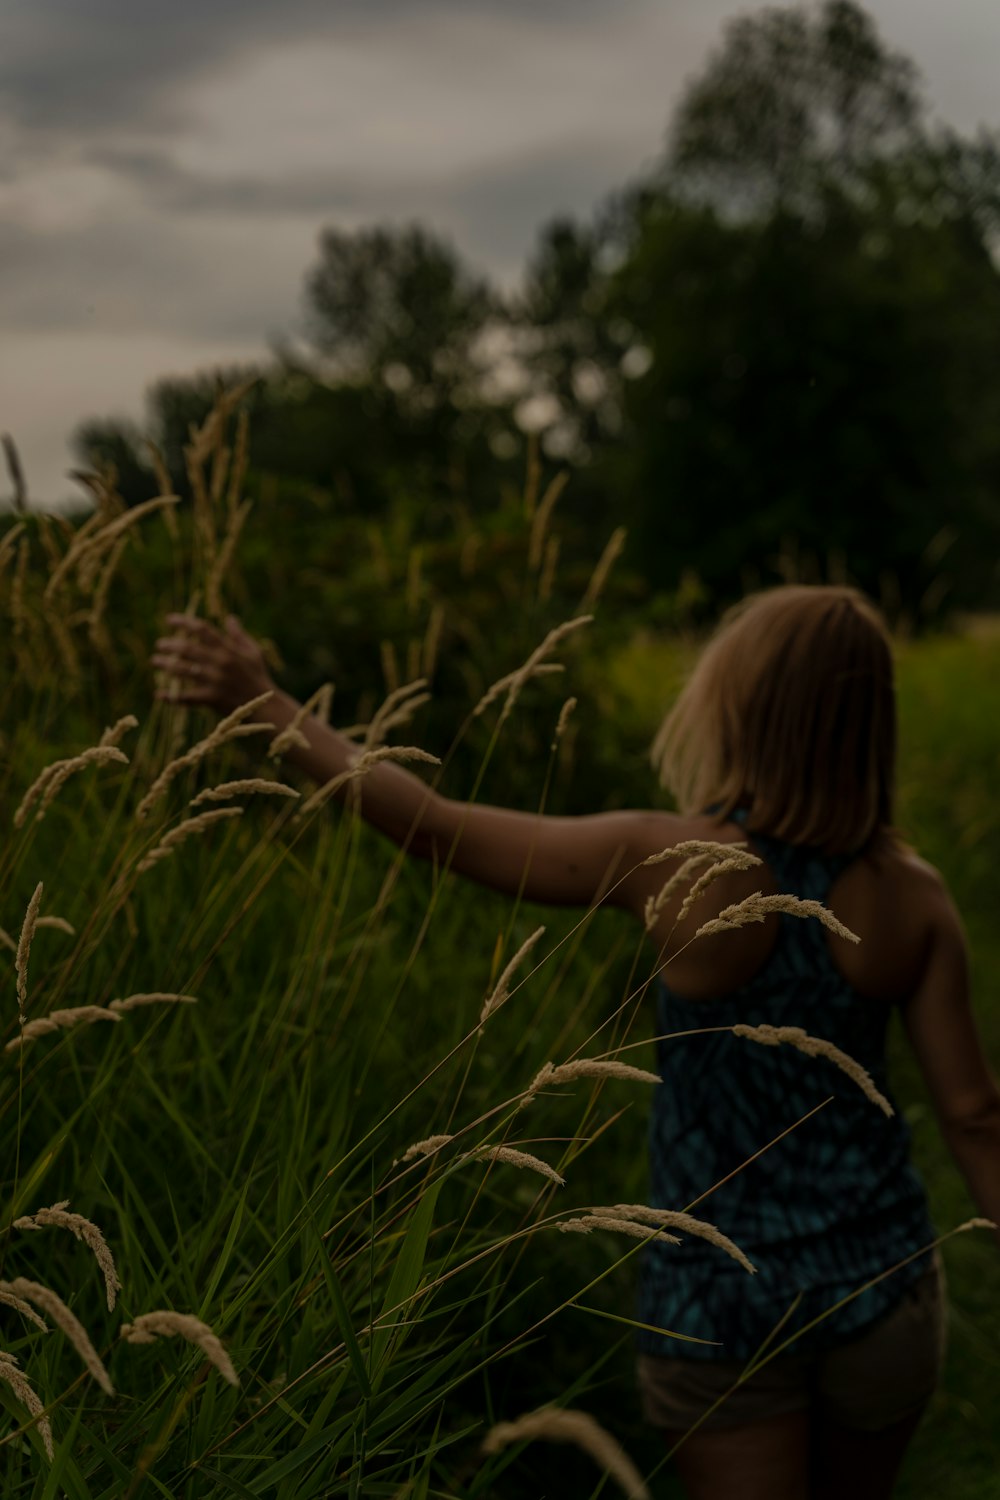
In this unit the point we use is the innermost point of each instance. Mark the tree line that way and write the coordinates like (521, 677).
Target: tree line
(777, 350)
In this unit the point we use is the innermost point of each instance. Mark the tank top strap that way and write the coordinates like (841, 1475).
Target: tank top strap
(802, 871)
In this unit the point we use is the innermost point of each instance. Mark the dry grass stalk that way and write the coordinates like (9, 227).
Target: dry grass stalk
(6, 941)
(50, 1302)
(63, 638)
(547, 576)
(253, 784)
(398, 707)
(501, 990)
(554, 638)
(363, 763)
(694, 846)
(563, 720)
(16, 471)
(540, 520)
(318, 705)
(613, 549)
(56, 924)
(95, 620)
(816, 1046)
(515, 1159)
(230, 728)
(134, 1002)
(60, 1020)
(615, 1224)
(223, 560)
(564, 1425)
(390, 666)
(666, 1218)
(165, 484)
(24, 949)
(590, 1067)
(18, 609)
(655, 904)
(46, 534)
(58, 1217)
(431, 641)
(50, 783)
(741, 860)
(239, 466)
(534, 666)
(182, 833)
(533, 474)
(414, 564)
(96, 755)
(88, 549)
(8, 539)
(114, 732)
(21, 1386)
(426, 1147)
(25, 1309)
(756, 907)
(501, 685)
(974, 1224)
(165, 1324)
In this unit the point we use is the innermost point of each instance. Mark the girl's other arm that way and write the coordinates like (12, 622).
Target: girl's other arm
(942, 1031)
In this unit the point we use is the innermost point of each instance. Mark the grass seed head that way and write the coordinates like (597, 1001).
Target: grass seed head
(134, 1002)
(516, 1159)
(25, 1309)
(166, 1324)
(564, 1425)
(815, 1046)
(668, 1218)
(616, 1224)
(60, 1020)
(688, 847)
(21, 1386)
(590, 1067)
(183, 831)
(59, 1217)
(50, 1302)
(501, 990)
(756, 907)
(120, 727)
(425, 1148)
(24, 950)
(251, 785)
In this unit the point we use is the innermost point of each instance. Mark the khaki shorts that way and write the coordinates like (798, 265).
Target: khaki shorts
(886, 1372)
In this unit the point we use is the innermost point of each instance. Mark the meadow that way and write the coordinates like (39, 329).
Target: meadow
(244, 1150)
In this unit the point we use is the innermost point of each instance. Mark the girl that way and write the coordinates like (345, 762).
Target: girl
(784, 736)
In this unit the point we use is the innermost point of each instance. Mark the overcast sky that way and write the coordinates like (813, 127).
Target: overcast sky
(165, 168)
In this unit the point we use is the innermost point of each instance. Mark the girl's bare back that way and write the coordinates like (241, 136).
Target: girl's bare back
(887, 901)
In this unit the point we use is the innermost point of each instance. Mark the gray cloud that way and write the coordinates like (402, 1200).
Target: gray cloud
(92, 64)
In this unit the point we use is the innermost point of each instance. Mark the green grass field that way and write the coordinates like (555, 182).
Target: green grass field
(242, 1155)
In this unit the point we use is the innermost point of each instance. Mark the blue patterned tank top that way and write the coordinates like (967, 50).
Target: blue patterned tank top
(823, 1211)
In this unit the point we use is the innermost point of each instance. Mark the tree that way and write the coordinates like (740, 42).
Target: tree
(790, 101)
(812, 270)
(397, 306)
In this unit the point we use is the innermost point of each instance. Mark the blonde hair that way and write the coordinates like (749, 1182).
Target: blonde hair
(790, 712)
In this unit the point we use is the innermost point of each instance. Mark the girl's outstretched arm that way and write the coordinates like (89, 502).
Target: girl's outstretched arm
(558, 861)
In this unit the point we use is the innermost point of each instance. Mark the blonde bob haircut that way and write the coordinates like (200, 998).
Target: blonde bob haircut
(790, 712)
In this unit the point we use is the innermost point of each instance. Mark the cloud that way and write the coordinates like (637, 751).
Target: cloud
(93, 64)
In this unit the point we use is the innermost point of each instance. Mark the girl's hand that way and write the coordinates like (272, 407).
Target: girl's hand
(218, 668)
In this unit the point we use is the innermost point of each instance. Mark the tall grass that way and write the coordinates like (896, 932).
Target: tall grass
(349, 1310)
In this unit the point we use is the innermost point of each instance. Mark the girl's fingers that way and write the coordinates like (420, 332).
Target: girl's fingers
(195, 626)
(182, 666)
